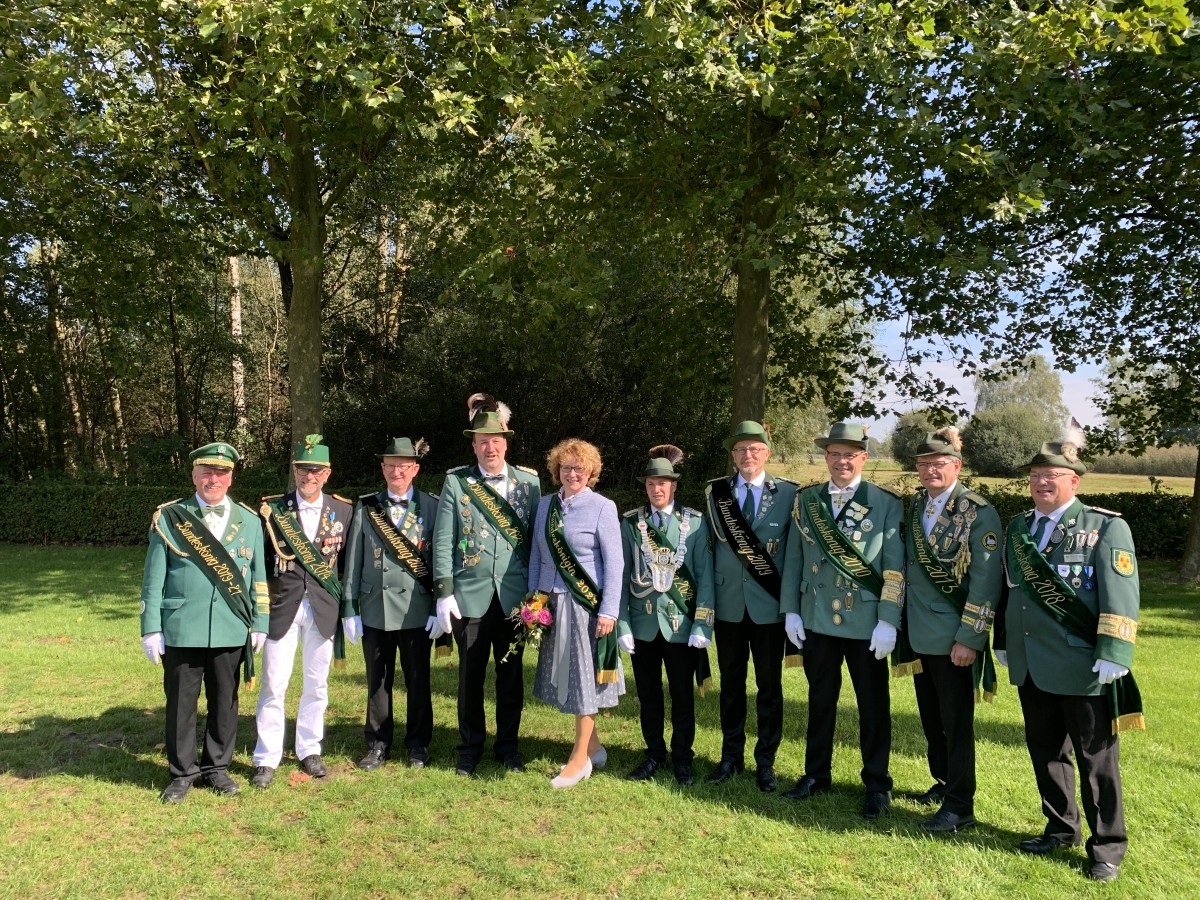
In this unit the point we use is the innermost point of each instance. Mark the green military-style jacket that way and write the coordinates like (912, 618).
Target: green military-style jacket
(470, 560)
(735, 591)
(829, 602)
(179, 600)
(638, 592)
(967, 540)
(1093, 547)
(378, 587)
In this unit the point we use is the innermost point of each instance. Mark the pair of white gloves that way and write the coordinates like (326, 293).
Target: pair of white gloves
(1106, 672)
(883, 638)
(436, 625)
(154, 645)
(694, 640)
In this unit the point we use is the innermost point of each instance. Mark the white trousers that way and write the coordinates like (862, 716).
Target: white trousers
(279, 656)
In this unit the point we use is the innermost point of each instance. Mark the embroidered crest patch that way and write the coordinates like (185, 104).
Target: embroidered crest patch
(1123, 562)
(990, 541)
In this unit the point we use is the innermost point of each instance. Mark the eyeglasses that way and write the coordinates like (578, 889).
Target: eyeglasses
(398, 467)
(749, 451)
(842, 457)
(1048, 479)
(572, 470)
(309, 470)
(931, 466)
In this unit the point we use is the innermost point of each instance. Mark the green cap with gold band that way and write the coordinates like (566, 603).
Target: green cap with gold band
(748, 430)
(935, 444)
(311, 452)
(219, 454)
(1063, 454)
(853, 434)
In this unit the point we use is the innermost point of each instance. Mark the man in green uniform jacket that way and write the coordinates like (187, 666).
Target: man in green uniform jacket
(1067, 638)
(749, 519)
(388, 601)
(481, 573)
(843, 590)
(666, 618)
(953, 587)
(204, 614)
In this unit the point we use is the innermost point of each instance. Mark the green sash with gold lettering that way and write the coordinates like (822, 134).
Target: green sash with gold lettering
(1049, 592)
(211, 557)
(499, 512)
(983, 670)
(817, 517)
(583, 589)
(287, 525)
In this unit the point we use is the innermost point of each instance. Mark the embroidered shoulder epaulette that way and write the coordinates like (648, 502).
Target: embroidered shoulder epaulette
(456, 470)
(272, 497)
(170, 502)
(253, 512)
(688, 511)
(340, 497)
(433, 497)
(713, 481)
(977, 499)
(367, 496)
(632, 513)
(785, 480)
(1111, 513)
(813, 485)
(526, 470)
(888, 490)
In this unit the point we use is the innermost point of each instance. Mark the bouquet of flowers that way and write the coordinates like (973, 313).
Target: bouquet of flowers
(535, 619)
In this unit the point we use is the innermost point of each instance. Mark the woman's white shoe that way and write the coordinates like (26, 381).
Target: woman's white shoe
(599, 759)
(564, 781)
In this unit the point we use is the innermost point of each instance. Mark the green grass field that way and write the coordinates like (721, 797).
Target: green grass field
(81, 766)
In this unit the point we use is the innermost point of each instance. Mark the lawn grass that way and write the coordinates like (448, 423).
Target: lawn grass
(81, 765)
(888, 473)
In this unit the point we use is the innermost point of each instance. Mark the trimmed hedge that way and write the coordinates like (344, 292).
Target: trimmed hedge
(65, 513)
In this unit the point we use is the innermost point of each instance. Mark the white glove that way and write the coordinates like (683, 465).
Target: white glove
(1108, 672)
(1002, 658)
(793, 626)
(625, 642)
(434, 628)
(154, 645)
(447, 608)
(883, 639)
(257, 640)
(698, 641)
(352, 628)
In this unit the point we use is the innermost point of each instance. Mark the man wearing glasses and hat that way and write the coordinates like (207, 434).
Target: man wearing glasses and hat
(842, 597)
(666, 615)
(306, 530)
(1067, 638)
(481, 573)
(204, 614)
(749, 519)
(953, 582)
(388, 602)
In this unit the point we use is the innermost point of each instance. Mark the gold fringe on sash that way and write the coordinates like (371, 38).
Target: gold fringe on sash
(439, 652)
(909, 668)
(793, 661)
(606, 676)
(702, 689)
(1129, 722)
(985, 696)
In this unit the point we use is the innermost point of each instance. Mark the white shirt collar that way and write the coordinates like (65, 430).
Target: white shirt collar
(316, 504)
(939, 502)
(406, 498)
(758, 481)
(1054, 516)
(665, 511)
(503, 473)
(224, 504)
(848, 489)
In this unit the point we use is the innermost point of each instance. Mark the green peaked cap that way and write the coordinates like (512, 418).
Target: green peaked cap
(219, 454)
(311, 452)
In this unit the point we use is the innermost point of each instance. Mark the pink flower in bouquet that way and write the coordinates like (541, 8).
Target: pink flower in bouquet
(528, 616)
(544, 617)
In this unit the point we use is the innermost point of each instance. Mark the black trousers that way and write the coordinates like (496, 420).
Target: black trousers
(823, 657)
(480, 639)
(946, 701)
(649, 659)
(380, 648)
(736, 643)
(1054, 726)
(185, 669)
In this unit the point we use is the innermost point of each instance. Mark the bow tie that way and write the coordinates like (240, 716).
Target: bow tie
(499, 477)
(214, 510)
(393, 501)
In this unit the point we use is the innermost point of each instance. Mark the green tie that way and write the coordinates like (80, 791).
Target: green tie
(748, 504)
(1040, 530)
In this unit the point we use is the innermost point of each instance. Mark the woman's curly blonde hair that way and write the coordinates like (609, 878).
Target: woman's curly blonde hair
(587, 454)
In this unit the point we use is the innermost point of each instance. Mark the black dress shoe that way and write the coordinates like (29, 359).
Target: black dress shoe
(221, 783)
(418, 758)
(1103, 872)
(945, 822)
(683, 774)
(1044, 844)
(875, 803)
(765, 776)
(465, 768)
(514, 762)
(806, 787)
(175, 791)
(932, 797)
(373, 760)
(313, 765)
(725, 770)
(262, 777)
(644, 772)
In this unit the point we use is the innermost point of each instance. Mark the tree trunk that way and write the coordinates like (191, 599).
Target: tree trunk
(751, 340)
(183, 410)
(1189, 568)
(58, 388)
(240, 427)
(120, 439)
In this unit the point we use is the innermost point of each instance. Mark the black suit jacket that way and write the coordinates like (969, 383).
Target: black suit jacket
(288, 581)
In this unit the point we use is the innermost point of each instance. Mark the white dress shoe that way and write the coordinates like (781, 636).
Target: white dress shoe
(599, 759)
(563, 781)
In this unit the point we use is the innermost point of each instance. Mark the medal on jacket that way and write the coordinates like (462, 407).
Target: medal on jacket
(662, 563)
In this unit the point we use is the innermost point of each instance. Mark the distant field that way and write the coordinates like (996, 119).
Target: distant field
(887, 472)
